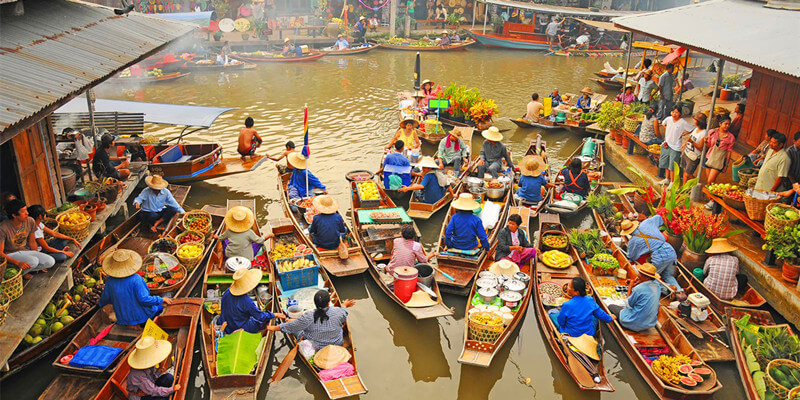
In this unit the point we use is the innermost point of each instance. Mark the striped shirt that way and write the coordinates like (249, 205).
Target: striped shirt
(406, 253)
(721, 278)
(320, 333)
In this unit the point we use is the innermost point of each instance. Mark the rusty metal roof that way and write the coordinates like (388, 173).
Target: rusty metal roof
(58, 48)
(742, 31)
(557, 10)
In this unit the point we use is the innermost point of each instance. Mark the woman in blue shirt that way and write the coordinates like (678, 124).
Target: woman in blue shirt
(579, 315)
(298, 183)
(465, 229)
(585, 102)
(431, 188)
(127, 291)
(533, 179)
(328, 227)
(239, 311)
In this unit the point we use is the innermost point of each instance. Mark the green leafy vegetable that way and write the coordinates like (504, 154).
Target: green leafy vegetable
(236, 353)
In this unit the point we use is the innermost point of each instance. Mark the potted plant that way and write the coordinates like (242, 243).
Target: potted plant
(217, 36)
(482, 113)
(699, 230)
(611, 118)
(785, 245)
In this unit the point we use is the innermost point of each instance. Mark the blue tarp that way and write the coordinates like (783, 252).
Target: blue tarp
(156, 113)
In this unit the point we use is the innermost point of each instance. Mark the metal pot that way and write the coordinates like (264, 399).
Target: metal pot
(488, 295)
(510, 299)
(487, 282)
(522, 277)
(496, 194)
(487, 274)
(473, 182)
(513, 285)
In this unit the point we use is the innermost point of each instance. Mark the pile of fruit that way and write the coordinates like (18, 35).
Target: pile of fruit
(384, 215)
(288, 250)
(785, 375)
(555, 241)
(197, 222)
(368, 191)
(605, 263)
(190, 251)
(190, 237)
(784, 213)
(726, 190)
(10, 273)
(164, 245)
(164, 279)
(156, 72)
(674, 369)
(73, 219)
(654, 148)
(589, 117)
(411, 42)
(556, 259)
(293, 265)
(487, 318)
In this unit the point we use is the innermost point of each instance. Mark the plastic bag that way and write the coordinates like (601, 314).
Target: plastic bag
(306, 348)
(490, 215)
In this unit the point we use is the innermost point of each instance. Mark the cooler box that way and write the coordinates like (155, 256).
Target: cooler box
(95, 357)
(304, 49)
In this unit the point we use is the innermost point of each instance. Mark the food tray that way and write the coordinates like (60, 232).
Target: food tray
(549, 292)
(364, 218)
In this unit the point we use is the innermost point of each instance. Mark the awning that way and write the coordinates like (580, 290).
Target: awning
(741, 31)
(202, 19)
(608, 26)
(155, 113)
(565, 11)
(58, 48)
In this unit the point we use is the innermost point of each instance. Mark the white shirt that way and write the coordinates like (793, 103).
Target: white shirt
(83, 147)
(39, 234)
(691, 152)
(582, 39)
(674, 130)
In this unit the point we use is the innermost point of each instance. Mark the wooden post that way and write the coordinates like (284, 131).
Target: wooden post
(474, 11)
(683, 75)
(392, 18)
(627, 67)
(697, 190)
(89, 96)
(485, 16)
(407, 27)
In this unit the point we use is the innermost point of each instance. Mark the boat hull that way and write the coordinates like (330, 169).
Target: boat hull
(509, 43)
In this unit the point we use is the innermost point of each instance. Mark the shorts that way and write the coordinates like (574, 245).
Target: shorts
(552, 39)
(249, 152)
(668, 158)
(688, 165)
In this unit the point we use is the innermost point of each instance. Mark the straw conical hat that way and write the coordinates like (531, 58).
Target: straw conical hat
(411, 120)
(420, 299)
(427, 80)
(504, 267)
(428, 162)
(239, 219)
(586, 345)
(465, 202)
(720, 245)
(331, 356)
(149, 352)
(122, 263)
(492, 134)
(156, 182)
(532, 165)
(628, 226)
(297, 160)
(586, 90)
(245, 280)
(648, 269)
(326, 204)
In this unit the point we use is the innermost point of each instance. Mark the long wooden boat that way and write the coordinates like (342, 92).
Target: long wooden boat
(274, 59)
(589, 52)
(464, 267)
(481, 353)
(218, 277)
(85, 264)
(350, 51)
(666, 335)
(377, 240)
(196, 66)
(585, 379)
(508, 42)
(453, 47)
(608, 84)
(595, 163)
(337, 388)
(166, 63)
(759, 317)
(179, 163)
(355, 264)
(139, 80)
(543, 123)
(180, 323)
(539, 147)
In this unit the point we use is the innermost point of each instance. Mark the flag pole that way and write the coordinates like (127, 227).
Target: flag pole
(305, 128)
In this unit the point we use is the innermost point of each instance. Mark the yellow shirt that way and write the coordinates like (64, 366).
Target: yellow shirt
(408, 140)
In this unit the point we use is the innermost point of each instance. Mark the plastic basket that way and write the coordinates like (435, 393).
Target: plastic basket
(367, 203)
(756, 208)
(773, 385)
(77, 231)
(482, 332)
(771, 221)
(11, 288)
(299, 278)
(190, 263)
(204, 229)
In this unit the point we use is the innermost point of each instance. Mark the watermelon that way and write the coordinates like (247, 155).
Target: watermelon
(685, 369)
(152, 285)
(696, 363)
(688, 383)
(697, 378)
(702, 372)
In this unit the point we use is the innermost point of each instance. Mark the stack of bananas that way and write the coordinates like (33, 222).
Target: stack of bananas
(556, 259)
(292, 265)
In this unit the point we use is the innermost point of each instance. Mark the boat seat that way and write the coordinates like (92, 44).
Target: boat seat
(171, 154)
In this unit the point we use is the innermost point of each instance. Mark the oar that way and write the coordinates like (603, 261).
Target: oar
(712, 336)
(446, 275)
(693, 330)
(284, 365)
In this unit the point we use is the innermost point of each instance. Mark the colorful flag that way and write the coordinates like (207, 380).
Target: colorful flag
(306, 150)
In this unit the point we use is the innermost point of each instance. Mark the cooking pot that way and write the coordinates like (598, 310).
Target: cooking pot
(487, 282)
(488, 295)
(473, 182)
(513, 285)
(496, 193)
(510, 299)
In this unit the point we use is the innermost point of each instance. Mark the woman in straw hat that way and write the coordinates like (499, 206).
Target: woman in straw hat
(328, 228)
(301, 180)
(578, 316)
(627, 96)
(465, 230)
(238, 310)
(323, 327)
(407, 132)
(445, 41)
(407, 251)
(493, 153)
(641, 309)
(533, 181)
(648, 239)
(513, 243)
(433, 185)
(585, 101)
(127, 291)
(156, 202)
(239, 233)
(722, 269)
(143, 381)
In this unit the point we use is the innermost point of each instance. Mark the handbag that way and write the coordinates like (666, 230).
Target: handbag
(344, 251)
(716, 158)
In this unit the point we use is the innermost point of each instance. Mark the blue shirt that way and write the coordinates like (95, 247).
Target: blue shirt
(326, 229)
(584, 103)
(361, 27)
(131, 298)
(298, 182)
(341, 44)
(396, 164)
(556, 99)
(240, 312)
(576, 184)
(464, 231)
(647, 238)
(432, 191)
(577, 316)
(642, 310)
(530, 188)
(153, 201)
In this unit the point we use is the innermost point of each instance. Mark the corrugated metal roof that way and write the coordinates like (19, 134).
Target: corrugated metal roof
(743, 31)
(156, 113)
(566, 11)
(59, 48)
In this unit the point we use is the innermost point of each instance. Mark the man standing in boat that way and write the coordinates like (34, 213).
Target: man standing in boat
(552, 32)
(359, 35)
(248, 139)
(156, 202)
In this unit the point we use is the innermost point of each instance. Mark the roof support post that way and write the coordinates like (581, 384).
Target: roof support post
(627, 67)
(683, 74)
(485, 16)
(697, 190)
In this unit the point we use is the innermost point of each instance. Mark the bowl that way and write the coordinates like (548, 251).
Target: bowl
(473, 182)
(294, 311)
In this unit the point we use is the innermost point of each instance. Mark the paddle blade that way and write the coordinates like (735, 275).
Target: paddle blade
(416, 72)
(284, 366)
(101, 335)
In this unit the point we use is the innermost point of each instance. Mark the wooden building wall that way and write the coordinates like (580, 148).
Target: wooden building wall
(772, 103)
(38, 171)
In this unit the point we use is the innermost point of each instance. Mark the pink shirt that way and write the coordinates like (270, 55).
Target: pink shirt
(724, 144)
(405, 253)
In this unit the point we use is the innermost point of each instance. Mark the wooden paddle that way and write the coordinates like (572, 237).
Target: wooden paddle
(702, 330)
(445, 274)
(284, 365)
(691, 329)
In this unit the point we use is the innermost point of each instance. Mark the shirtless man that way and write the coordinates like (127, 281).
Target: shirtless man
(248, 139)
(534, 108)
(289, 149)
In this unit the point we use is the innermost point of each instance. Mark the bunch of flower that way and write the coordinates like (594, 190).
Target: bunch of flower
(700, 228)
(483, 111)
(671, 219)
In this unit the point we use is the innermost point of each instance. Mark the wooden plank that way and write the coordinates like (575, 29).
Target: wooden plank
(757, 226)
(74, 387)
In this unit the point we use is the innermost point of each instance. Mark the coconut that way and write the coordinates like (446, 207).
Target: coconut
(50, 309)
(28, 339)
(36, 340)
(66, 319)
(61, 313)
(35, 331)
(56, 327)
(40, 322)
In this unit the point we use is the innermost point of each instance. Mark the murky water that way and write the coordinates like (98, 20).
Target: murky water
(352, 114)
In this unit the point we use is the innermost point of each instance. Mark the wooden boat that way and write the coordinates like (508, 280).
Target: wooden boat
(596, 163)
(421, 210)
(193, 162)
(759, 317)
(166, 63)
(536, 147)
(666, 334)
(86, 263)
(515, 36)
(585, 379)
(180, 323)
(198, 67)
(139, 80)
(217, 276)
(350, 51)
(198, 272)
(337, 388)
(453, 47)
(481, 353)
(589, 52)
(608, 84)
(377, 241)
(356, 263)
(265, 58)
(543, 123)
(464, 267)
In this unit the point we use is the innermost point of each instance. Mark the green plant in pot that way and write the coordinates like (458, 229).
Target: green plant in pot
(611, 117)
(217, 36)
(699, 231)
(785, 245)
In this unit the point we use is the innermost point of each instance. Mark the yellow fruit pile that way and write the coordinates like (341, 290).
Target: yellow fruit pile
(190, 250)
(73, 218)
(666, 367)
(283, 251)
(156, 72)
(486, 318)
(368, 191)
(556, 259)
(654, 148)
(292, 265)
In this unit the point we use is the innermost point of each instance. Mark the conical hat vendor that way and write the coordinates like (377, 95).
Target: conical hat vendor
(301, 181)
(238, 309)
(465, 229)
(327, 228)
(127, 291)
(648, 239)
(143, 380)
(156, 203)
(239, 222)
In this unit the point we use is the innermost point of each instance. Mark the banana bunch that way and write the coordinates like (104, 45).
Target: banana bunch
(292, 265)
(556, 259)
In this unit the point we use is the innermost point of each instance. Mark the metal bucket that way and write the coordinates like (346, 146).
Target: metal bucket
(425, 274)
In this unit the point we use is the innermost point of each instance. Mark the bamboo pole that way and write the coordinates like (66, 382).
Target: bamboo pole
(697, 190)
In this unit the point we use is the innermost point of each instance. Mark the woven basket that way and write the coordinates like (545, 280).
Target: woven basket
(78, 231)
(190, 263)
(482, 332)
(184, 233)
(794, 392)
(779, 390)
(737, 204)
(744, 178)
(150, 249)
(770, 221)
(630, 123)
(4, 306)
(203, 230)
(11, 288)
(756, 209)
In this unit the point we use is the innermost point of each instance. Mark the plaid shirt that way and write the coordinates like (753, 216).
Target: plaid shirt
(319, 333)
(721, 278)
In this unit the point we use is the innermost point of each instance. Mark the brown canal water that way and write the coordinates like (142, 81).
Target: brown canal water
(352, 105)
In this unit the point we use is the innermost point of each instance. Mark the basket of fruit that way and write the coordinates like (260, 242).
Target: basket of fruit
(779, 216)
(745, 175)
(731, 194)
(781, 376)
(162, 272)
(604, 264)
(163, 245)
(11, 287)
(554, 240)
(368, 194)
(190, 236)
(485, 326)
(190, 253)
(298, 272)
(74, 223)
(556, 259)
(197, 220)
